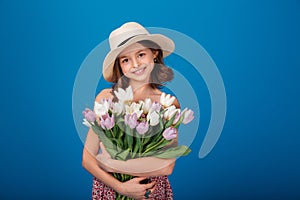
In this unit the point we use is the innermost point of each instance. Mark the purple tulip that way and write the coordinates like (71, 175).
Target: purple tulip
(131, 120)
(107, 122)
(155, 107)
(142, 128)
(89, 115)
(188, 116)
(170, 133)
(177, 117)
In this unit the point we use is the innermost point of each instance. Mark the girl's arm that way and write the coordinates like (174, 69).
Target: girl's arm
(147, 166)
(131, 188)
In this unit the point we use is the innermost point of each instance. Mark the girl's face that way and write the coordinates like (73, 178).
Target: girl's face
(137, 62)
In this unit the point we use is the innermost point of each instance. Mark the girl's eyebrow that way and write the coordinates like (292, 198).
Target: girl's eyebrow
(141, 50)
(124, 56)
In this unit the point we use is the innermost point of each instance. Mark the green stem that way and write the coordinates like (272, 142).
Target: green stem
(147, 150)
(112, 133)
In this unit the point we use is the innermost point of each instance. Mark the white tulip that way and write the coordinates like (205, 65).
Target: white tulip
(166, 100)
(147, 103)
(101, 108)
(188, 116)
(153, 118)
(117, 108)
(124, 96)
(134, 108)
(170, 111)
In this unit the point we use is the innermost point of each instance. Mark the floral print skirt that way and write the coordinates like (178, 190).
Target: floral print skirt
(163, 190)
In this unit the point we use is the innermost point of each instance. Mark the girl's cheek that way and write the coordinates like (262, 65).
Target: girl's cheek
(124, 69)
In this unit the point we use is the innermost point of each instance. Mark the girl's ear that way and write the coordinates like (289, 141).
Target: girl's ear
(155, 53)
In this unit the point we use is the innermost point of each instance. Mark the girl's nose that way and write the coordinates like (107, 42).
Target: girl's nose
(135, 63)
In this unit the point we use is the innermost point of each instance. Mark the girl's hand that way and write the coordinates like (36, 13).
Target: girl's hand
(134, 189)
(131, 188)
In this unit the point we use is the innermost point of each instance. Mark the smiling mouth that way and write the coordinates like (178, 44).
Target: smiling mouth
(139, 71)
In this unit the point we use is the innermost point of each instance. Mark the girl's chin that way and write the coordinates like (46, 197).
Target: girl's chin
(144, 78)
(139, 79)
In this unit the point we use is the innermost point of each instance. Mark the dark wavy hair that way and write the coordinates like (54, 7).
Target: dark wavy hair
(159, 75)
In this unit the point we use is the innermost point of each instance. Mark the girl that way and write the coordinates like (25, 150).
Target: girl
(135, 59)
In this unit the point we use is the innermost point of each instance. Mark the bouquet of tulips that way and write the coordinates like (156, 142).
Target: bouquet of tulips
(137, 129)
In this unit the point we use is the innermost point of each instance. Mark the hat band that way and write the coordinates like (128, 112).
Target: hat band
(122, 43)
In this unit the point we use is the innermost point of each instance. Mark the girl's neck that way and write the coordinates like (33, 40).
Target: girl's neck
(139, 86)
(141, 90)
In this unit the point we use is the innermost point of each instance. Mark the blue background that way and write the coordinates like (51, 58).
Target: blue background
(255, 44)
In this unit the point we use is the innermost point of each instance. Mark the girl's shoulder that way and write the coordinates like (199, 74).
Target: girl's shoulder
(104, 94)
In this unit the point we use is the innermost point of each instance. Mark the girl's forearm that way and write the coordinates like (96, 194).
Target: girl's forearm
(147, 166)
(91, 165)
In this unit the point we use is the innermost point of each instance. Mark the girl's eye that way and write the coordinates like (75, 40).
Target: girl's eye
(124, 60)
(141, 54)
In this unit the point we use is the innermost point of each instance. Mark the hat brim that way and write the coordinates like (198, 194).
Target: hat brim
(166, 45)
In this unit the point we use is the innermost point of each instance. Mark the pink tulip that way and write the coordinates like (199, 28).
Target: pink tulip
(155, 107)
(177, 117)
(107, 122)
(188, 116)
(89, 115)
(131, 120)
(142, 128)
(170, 133)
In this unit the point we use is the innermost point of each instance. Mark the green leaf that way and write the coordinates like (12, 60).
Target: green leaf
(112, 152)
(120, 123)
(116, 142)
(137, 146)
(154, 130)
(102, 136)
(157, 137)
(110, 147)
(123, 155)
(153, 139)
(170, 122)
(161, 145)
(129, 137)
(171, 152)
(152, 146)
(115, 130)
(125, 142)
(179, 121)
